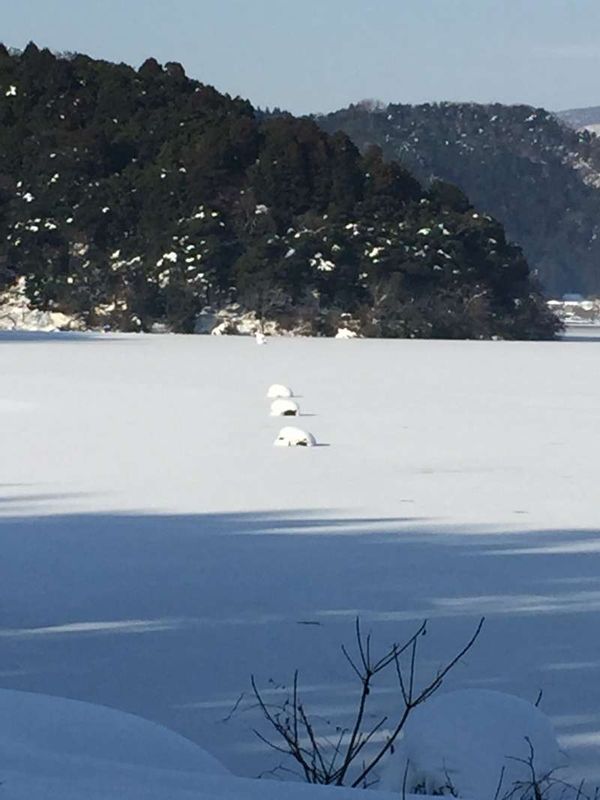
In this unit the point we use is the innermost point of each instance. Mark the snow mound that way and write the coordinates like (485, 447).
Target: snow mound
(294, 437)
(461, 741)
(42, 728)
(284, 407)
(57, 749)
(279, 390)
(346, 333)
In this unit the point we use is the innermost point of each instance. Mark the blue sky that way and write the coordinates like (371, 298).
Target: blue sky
(318, 55)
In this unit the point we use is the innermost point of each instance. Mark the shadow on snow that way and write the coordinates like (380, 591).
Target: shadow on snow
(166, 616)
(64, 337)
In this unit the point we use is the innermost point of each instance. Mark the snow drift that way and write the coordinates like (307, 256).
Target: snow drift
(36, 725)
(465, 742)
(58, 749)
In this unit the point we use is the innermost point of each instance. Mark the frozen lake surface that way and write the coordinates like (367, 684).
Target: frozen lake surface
(156, 549)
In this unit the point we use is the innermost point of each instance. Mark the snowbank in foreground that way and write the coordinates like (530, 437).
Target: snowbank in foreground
(57, 749)
(51, 726)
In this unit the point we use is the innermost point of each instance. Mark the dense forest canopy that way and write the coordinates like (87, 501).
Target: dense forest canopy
(536, 175)
(134, 197)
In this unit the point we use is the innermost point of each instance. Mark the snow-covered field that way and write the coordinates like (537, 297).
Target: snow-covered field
(157, 549)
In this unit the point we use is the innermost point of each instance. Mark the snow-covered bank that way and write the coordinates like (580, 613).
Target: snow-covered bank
(582, 333)
(577, 312)
(17, 314)
(156, 549)
(56, 749)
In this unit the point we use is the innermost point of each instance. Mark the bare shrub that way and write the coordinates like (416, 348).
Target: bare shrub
(342, 760)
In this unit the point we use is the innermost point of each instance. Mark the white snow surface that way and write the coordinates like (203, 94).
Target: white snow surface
(474, 739)
(157, 549)
(53, 729)
(57, 749)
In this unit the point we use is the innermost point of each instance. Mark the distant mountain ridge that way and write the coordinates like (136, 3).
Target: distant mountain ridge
(578, 118)
(136, 199)
(522, 165)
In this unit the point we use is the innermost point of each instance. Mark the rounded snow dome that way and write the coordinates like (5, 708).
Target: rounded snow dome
(346, 333)
(279, 390)
(284, 407)
(471, 737)
(294, 437)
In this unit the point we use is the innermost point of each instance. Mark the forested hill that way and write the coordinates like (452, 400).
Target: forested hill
(524, 166)
(134, 197)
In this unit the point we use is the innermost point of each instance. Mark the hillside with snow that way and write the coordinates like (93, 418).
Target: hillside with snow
(526, 167)
(140, 199)
(582, 118)
(158, 549)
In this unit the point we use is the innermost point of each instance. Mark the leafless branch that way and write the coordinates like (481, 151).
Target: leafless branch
(235, 707)
(328, 761)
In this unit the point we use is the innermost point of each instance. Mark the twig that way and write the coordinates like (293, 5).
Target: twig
(405, 778)
(236, 705)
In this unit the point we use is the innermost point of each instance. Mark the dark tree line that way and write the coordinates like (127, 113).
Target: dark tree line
(132, 197)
